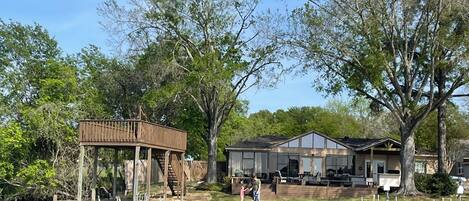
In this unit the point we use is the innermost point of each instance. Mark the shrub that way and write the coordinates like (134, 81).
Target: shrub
(437, 184)
(422, 182)
(442, 184)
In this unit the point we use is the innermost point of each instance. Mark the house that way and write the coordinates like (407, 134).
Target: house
(362, 160)
(461, 167)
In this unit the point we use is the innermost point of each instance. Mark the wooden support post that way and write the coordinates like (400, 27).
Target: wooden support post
(95, 174)
(371, 165)
(114, 174)
(81, 159)
(135, 182)
(183, 179)
(148, 171)
(165, 176)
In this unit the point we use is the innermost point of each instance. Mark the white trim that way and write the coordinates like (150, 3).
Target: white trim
(313, 132)
(378, 143)
(374, 169)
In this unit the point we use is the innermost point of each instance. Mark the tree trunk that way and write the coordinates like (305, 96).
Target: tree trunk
(407, 186)
(442, 156)
(212, 154)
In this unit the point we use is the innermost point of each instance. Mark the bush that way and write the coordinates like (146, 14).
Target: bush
(442, 184)
(422, 182)
(437, 184)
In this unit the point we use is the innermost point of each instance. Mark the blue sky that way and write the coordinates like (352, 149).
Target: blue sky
(75, 24)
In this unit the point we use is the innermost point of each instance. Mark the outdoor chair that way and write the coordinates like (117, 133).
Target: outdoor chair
(316, 179)
(282, 180)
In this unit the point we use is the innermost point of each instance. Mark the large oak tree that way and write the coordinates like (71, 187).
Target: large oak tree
(213, 50)
(388, 51)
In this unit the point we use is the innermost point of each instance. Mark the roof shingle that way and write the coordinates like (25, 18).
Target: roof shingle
(260, 142)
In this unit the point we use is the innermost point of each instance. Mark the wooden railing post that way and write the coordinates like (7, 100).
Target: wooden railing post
(139, 130)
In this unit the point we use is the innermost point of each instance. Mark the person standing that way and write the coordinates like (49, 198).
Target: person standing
(256, 188)
(460, 190)
(242, 191)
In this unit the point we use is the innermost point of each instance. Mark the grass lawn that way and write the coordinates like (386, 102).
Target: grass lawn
(219, 196)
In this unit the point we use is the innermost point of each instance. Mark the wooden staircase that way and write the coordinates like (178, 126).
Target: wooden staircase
(174, 171)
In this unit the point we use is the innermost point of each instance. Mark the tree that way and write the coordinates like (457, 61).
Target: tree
(388, 52)
(211, 49)
(40, 98)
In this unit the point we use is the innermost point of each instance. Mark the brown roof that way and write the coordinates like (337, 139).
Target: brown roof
(365, 143)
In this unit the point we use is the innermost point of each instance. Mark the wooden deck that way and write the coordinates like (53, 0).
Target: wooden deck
(323, 192)
(131, 133)
(273, 191)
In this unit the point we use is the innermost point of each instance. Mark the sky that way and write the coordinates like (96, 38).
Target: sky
(76, 24)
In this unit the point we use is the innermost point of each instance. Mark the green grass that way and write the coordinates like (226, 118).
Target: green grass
(219, 196)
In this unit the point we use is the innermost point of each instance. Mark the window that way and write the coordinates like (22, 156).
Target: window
(293, 143)
(282, 164)
(460, 170)
(340, 146)
(331, 145)
(317, 166)
(284, 145)
(293, 165)
(272, 164)
(288, 165)
(312, 166)
(307, 141)
(421, 167)
(248, 163)
(339, 165)
(261, 165)
(318, 141)
(306, 165)
(235, 161)
(245, 164)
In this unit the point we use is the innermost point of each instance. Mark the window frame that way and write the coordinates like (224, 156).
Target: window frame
(424, 166)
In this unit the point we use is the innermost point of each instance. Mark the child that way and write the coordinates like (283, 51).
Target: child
(242, 191)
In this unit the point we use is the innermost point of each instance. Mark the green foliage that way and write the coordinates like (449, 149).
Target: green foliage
(457, 128)
(43, 96)
(39, 174)
(208, 52)
(437, 184)
(442, 184)
(422, 182)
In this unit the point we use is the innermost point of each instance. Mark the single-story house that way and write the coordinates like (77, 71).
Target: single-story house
(362, 160)
(461, 167)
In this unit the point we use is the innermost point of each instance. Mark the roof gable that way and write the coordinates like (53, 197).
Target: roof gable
(361, 144)
(295, 141)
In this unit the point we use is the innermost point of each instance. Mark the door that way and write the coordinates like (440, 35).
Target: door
(312, 166)
(317, 166)
(378, 168)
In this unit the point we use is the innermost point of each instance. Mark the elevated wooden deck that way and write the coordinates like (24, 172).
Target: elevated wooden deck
(131, 133)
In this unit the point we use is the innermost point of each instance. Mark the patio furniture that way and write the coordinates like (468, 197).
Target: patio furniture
(281, 179)
(316, 179)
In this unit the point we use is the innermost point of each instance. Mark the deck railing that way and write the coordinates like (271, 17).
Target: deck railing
(122, 132)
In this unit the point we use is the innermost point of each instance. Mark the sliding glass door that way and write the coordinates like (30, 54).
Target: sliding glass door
(312, 166)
